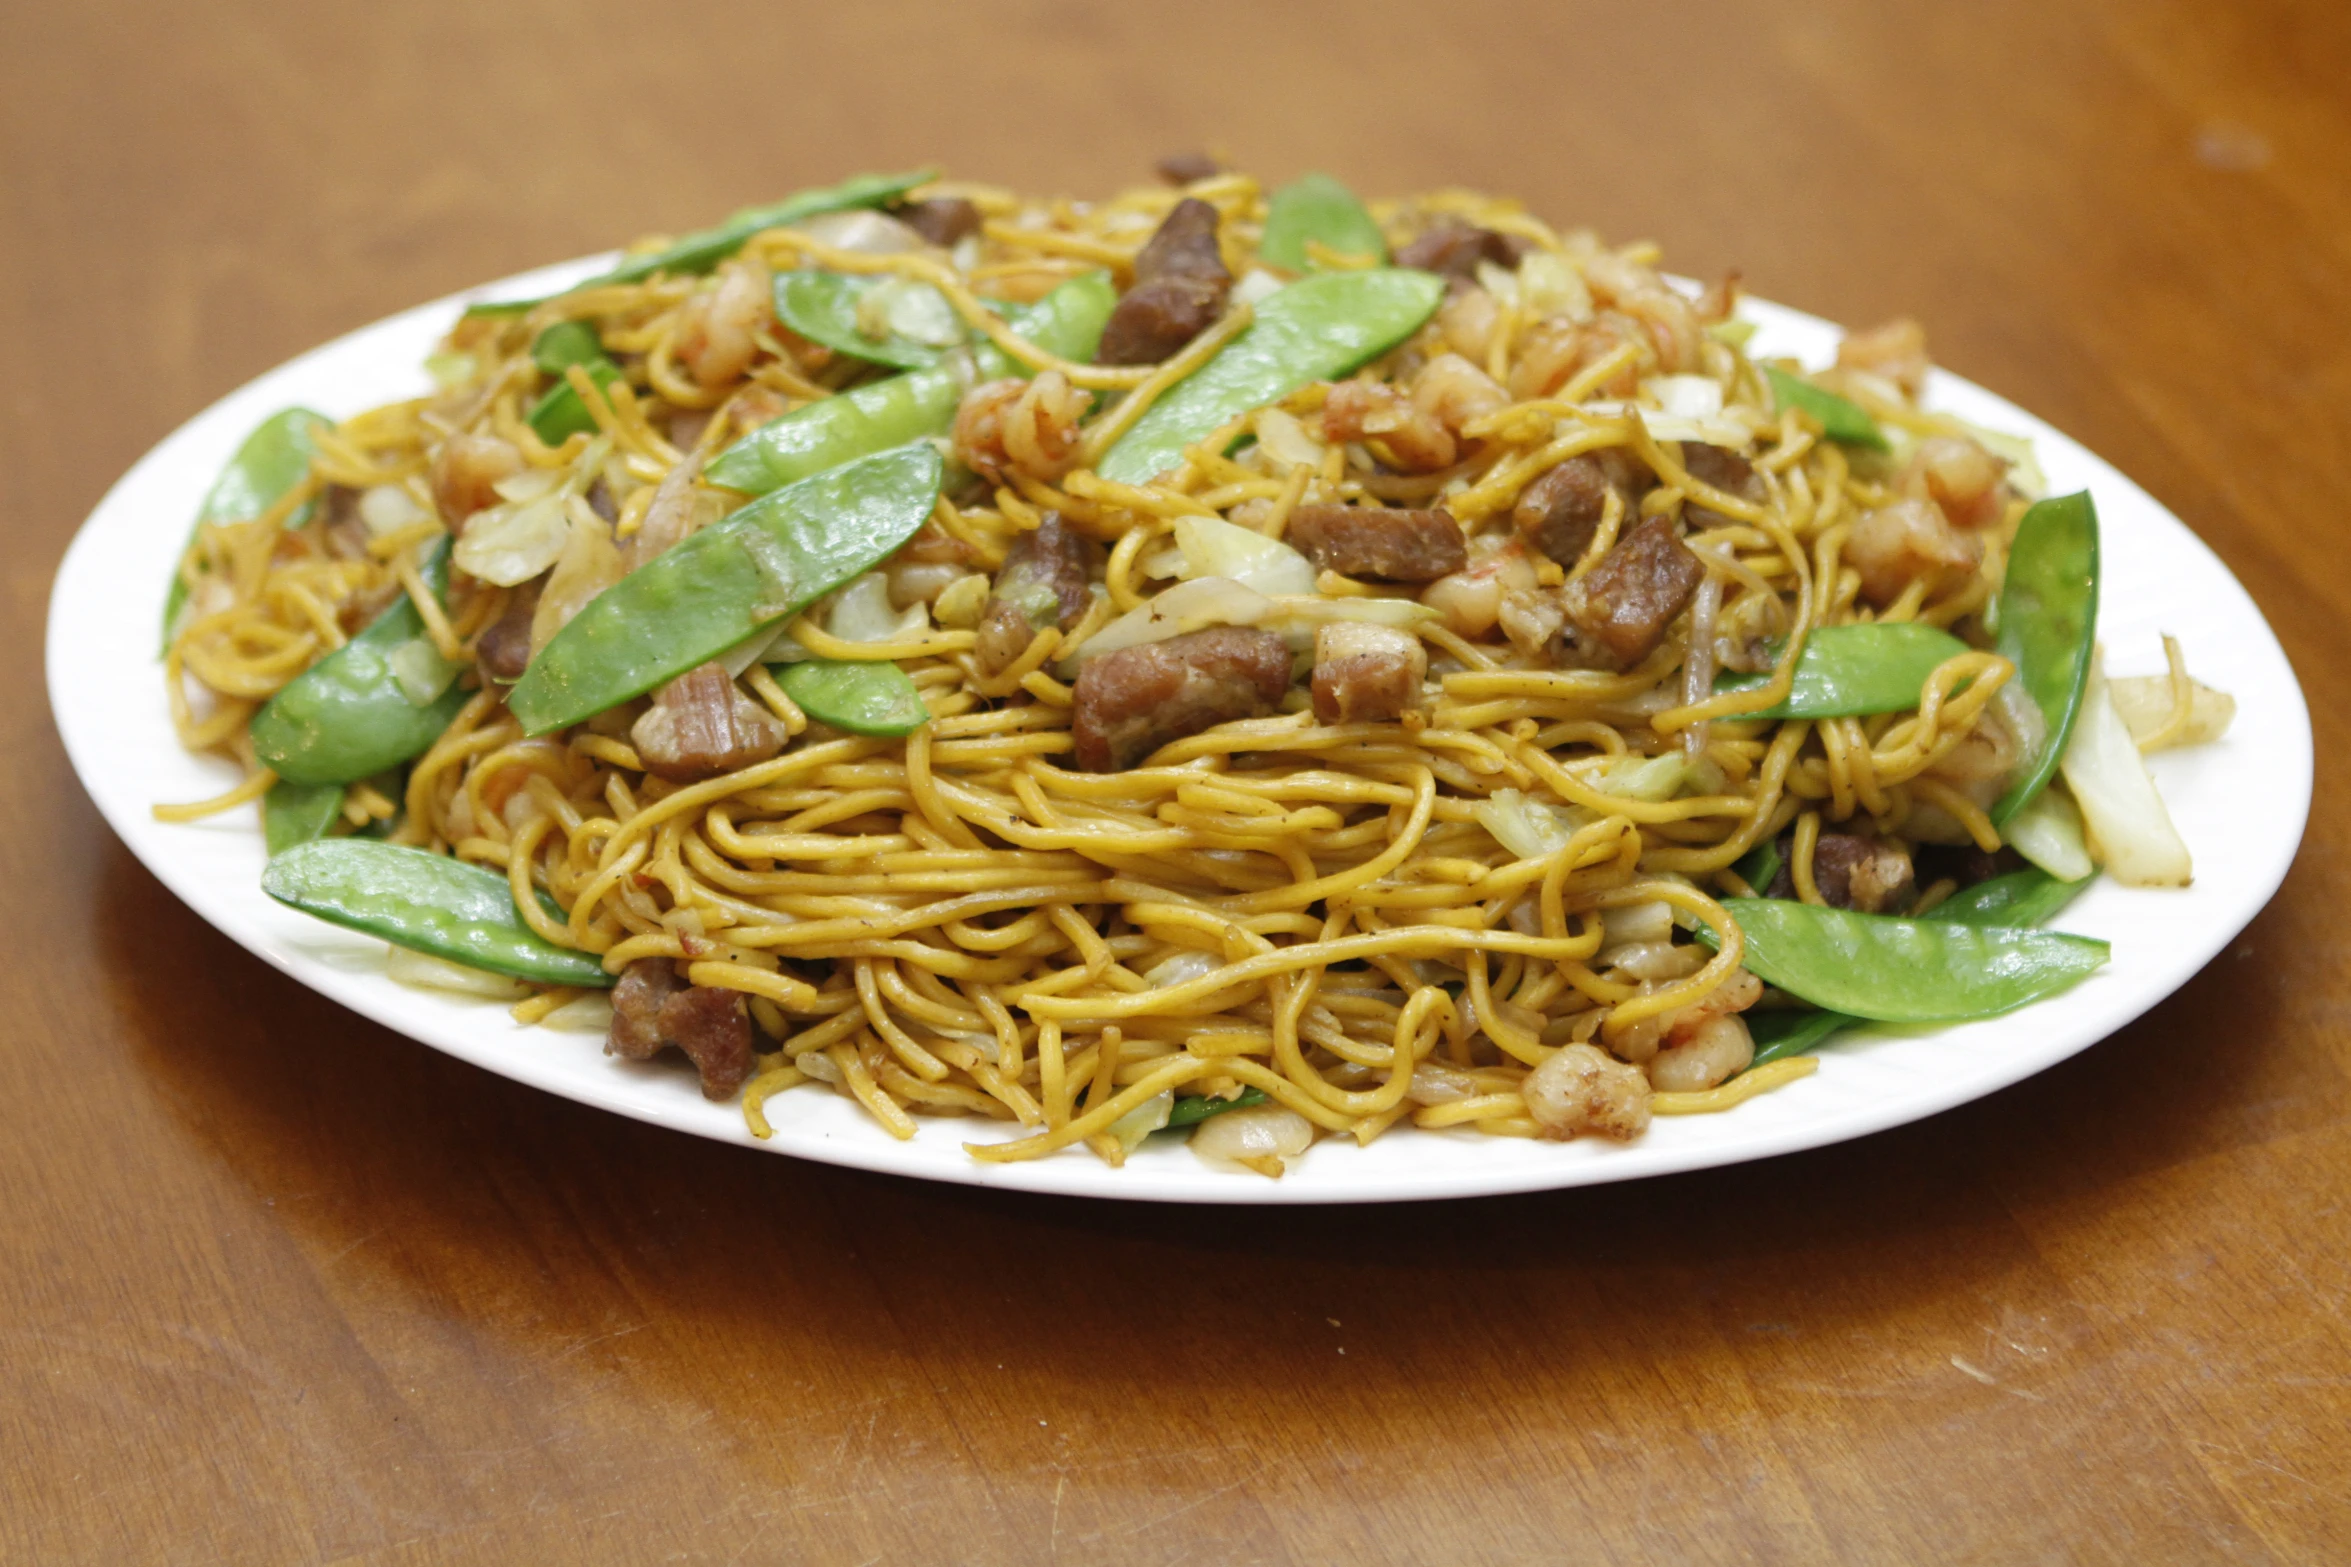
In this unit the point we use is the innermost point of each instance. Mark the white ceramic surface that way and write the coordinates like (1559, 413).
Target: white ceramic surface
(2240, 804)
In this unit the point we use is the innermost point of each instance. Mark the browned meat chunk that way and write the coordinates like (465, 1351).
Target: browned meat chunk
(338, 515)
(1132, 702)
(505, 649)
(1559, 512)
(1911, 539)
(1853, 872)
(1043, 582)
(653, 1009)
(1723, 469)
(1393, 544)
(1182, 168)
(1364, 673)
(700, 726)
(1620, 609)
(942, 220)
(1454, 249)
(1180, 287)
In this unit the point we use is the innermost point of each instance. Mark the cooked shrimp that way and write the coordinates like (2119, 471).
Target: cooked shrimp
(1029, 426)
(718, 328)
(1415, 439)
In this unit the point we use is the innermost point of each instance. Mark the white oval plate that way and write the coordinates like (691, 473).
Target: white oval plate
(2241, 805)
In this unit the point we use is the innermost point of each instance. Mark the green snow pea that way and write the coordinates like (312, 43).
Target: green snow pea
(272, 460)
(1905, 970)
(293, 813)
(2048, 619)
(348, 715)
(1786, 1032)
(706, 248)
(1320, 327)
(822, 307)
(1759, 866)
(875, 698)
(910, 407)
(560, 414)
(769, 560)
(1840, 418)
(428, 903)
(1192, 1109)
(1318, 208)
(1849, 671)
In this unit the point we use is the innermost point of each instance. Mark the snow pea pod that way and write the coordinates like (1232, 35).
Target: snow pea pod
(822, 307)
(1840, 418)
(349, 715)
(910, 407)
(428, 903)
(2048, 623)
(873, 698)
(1905, 970)
(560, 413)
(1318, 208)
(1192, 1109)
(706, 248)
(769, 560)
(1850, 671)
(1320, 327)
(293, 813)
(271, 461)
(1779, 1034)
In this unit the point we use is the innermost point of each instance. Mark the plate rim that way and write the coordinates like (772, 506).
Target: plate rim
(640, 1093)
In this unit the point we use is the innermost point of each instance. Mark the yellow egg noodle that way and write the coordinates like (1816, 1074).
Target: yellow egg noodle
(1367, 922)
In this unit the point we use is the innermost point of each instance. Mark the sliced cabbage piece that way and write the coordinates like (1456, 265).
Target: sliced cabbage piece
(1213, 547)
(2123, 816)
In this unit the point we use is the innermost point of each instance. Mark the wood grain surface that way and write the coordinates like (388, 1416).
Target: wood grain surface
(278, 1286)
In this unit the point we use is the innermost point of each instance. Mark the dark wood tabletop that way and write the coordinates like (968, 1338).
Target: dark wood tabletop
(277, 1285)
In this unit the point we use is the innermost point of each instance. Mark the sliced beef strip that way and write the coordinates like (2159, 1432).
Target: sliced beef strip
(1180, 288)
(1620, 609)
(1851, 872)
(1043, 582)
(1130, 703)
(1454, 249)
(1365, 673)
(653, 1010)
(1390, 543)
(1559, 512)
(1183, 168)
(700, 725)
(505, 649)
(942, 220)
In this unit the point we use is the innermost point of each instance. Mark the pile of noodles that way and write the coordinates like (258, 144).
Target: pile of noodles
(961, 921)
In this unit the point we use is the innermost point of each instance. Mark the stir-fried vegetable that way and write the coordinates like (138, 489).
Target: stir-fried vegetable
(910, 407)
(1318, 210)
(1906, 970)
(427, 902)
(1851, 671)
(2048, 614)
(270, 461)
(560, 413)
(1192, 1109)
(1321, 327)
(357, 711)
(873, 698)
(1839, 418)
(882, 320)
(768, 561)
(293, 813)
(2128, 826)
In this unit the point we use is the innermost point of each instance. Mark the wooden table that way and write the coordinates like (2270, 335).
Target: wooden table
(276, 1285)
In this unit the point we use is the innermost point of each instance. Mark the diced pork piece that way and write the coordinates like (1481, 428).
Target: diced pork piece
(1130, 703)
(653, 1010)
(1185, 168)
(338, 514)
(1723, 469)
(942, 220)
(700, 725)
(1559, 512)
(1896, 545)
(1620, 609)
(1897, 351)
(1043, 582)
(1853, 872)
(1365, 673)
(1454, 249)
(465, 475)
(505, 649)
(1391, 543)
(1180, 288)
